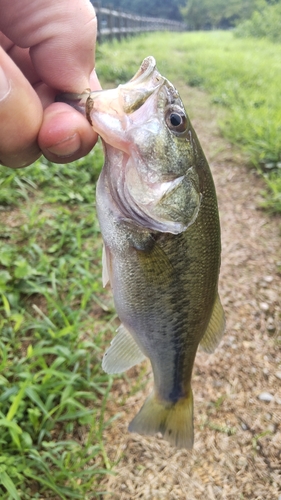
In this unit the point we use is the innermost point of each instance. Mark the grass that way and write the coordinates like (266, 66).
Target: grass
(241, 76)
(53, 323)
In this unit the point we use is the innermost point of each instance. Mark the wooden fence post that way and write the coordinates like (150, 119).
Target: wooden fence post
(112, 23)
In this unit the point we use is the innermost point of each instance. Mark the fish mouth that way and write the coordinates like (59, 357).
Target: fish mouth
(147, 67)
(144, 83)
(144, 74)
(126, 98)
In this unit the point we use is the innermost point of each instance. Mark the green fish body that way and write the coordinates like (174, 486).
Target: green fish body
(158, 214)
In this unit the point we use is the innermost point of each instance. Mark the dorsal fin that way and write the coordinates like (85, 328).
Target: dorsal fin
(215, 329)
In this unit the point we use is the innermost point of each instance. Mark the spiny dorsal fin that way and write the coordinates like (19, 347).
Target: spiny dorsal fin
(215, 330)
(123, 353)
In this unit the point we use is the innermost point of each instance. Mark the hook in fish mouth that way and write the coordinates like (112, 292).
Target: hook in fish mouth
(80, 102)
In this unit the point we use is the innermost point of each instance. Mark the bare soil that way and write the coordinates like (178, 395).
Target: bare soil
(237, 395)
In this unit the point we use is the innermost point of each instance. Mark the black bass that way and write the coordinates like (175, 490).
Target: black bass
(158, 214)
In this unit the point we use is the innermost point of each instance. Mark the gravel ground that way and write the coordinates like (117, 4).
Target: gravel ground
(237, 396)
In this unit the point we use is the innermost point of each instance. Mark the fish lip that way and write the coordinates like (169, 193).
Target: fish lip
(146, 69)
(84, 102)
(132, 94)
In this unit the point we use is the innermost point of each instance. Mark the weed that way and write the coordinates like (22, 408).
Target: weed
(53, 392)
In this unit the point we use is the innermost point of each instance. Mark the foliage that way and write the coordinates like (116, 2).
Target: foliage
(242, 77)
(53, 391)
(207, 14)
(264, 23)
(167, 9)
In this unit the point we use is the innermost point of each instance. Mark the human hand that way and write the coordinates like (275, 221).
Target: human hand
(47, 47)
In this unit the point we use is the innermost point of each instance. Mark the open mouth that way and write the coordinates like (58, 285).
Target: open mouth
(146, 80)
(148, 66)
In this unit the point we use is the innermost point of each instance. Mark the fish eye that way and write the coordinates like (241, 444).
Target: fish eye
(176, 121)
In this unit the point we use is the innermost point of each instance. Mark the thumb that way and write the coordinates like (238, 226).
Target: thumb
(21, 116)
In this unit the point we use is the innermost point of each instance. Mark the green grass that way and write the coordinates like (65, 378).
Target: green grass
(53, 323)
(242, 76)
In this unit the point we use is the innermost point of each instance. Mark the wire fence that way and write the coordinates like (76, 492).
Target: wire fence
(115, 24)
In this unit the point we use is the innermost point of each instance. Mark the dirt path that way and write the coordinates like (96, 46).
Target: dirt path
(237, 389)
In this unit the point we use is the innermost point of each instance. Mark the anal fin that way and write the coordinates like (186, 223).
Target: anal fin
(215, 329)
(122, 354)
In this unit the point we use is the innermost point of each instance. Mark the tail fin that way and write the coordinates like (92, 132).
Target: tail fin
(173, 420)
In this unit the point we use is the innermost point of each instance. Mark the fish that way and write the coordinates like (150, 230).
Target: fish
(157, 209)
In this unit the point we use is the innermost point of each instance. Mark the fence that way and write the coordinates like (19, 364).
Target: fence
(115, 24)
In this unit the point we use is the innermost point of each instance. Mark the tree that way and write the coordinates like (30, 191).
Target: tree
(207, 14)
(167, 9)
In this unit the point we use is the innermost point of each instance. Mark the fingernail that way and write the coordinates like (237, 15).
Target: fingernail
(67, 147)
(5, 85)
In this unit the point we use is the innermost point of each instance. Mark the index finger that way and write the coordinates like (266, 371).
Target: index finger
(61, 35)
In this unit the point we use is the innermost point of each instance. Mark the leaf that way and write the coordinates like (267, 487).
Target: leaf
(29, 351)
(18, 319)
(32, 394)
(16, 402)
(6, 255)
(23, 269)
(6, 481)
(14, 430)
(4, 277)
(6, 305)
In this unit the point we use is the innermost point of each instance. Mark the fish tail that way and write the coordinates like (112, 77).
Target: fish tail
(173, 420)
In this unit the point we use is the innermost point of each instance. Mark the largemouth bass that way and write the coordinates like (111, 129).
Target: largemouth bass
(158, 214)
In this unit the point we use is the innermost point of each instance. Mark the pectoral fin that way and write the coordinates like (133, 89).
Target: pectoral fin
(122, 354)
(106, 266)
(215, 330)
(154, 260)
